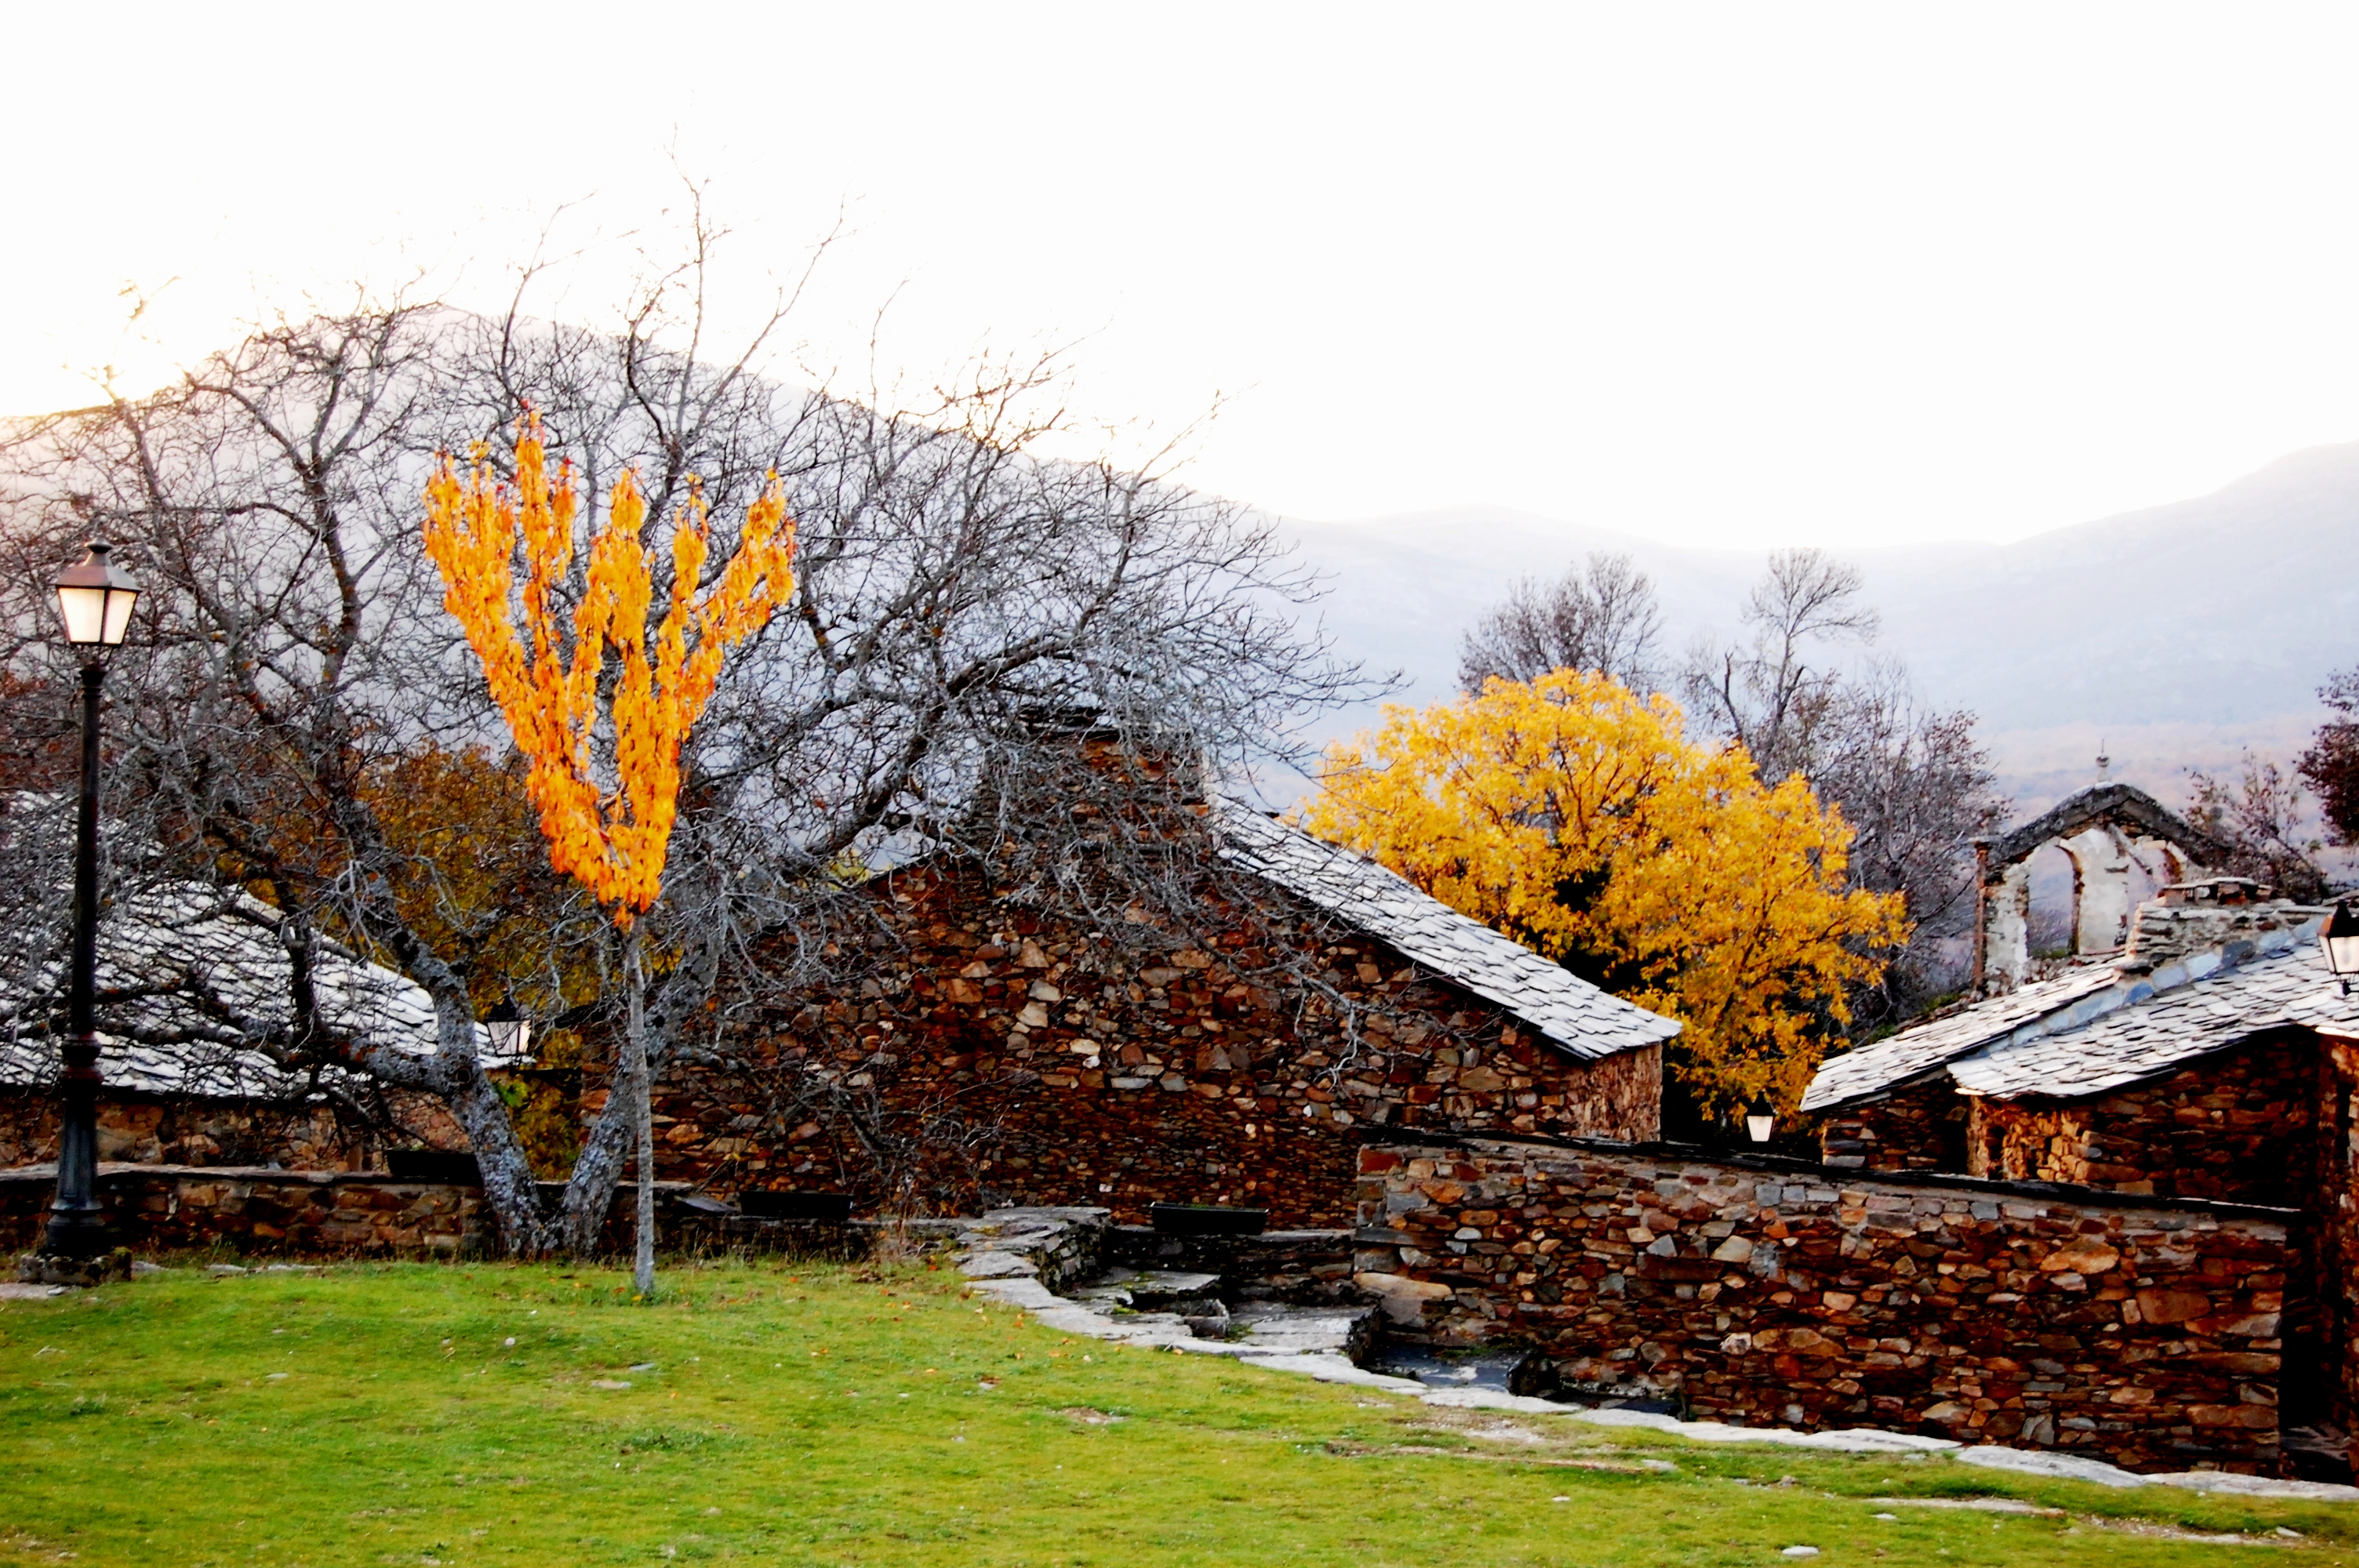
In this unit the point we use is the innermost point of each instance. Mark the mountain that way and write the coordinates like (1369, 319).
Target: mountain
(2171, 637)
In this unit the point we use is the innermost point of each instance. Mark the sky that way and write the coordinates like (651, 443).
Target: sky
(1729, 276)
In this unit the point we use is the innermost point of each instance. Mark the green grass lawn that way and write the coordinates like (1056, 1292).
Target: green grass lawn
(815, 1413)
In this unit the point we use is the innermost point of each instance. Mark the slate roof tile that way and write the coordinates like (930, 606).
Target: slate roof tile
(153, 940)
(2160, 1035)
(1567, 1011)
(1912, 1052)
(2094, 1030)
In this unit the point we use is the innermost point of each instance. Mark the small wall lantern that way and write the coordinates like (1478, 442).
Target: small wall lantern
(510, 1031)
(2339, 940)
(1761, 1120)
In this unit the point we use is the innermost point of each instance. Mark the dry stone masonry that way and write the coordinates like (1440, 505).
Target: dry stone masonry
(264, 1210)
(1024, 1061)
(2144, 1334)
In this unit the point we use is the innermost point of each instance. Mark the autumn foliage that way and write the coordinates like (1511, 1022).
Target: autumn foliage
(608, 833)
(1579, 820)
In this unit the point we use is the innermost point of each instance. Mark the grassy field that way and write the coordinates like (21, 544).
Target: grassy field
(820, 1414)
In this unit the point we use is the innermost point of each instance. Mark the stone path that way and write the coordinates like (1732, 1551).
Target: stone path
(1160, 1309)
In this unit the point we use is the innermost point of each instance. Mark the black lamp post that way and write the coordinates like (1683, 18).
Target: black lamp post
(95, 599)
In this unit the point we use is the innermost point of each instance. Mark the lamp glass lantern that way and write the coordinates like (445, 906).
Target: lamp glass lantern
(1760, 1121)
(95, 599)
(510, 1031)
(2339, 940)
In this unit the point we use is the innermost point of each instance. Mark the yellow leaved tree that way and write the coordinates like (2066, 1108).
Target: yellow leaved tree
(1579, 820)
(602, 753)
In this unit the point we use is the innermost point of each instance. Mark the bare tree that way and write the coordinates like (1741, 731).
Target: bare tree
(1601, 616)
(1770, 692)
(1914, 785)
(949, 580)
(2330, 765)
(2264, 818)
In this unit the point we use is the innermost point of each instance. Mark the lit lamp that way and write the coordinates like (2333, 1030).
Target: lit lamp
(94, 599)
(1760, 1121)
(510, 1031)
(2339, 937)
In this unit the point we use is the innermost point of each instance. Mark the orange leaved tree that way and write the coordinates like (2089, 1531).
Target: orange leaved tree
(602, 751)
(1579, 820)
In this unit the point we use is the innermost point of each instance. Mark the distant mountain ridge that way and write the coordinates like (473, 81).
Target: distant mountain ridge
(2172, 636)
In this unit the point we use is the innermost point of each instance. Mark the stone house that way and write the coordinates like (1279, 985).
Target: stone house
(2188, 1066)
(1006, 1054)
(179, 1091)
(2216, 1059)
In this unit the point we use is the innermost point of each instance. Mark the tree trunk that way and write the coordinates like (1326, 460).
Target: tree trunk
(642, 1091)
(598, 1168)
(510, 1190)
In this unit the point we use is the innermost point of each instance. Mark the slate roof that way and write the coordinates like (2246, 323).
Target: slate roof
(160, 939)
(1567, 1011)
(2093, 1030)
(1912, 1052)
(2159, 1035)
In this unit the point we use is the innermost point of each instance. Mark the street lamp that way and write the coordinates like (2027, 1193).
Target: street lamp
(510, 1031)
(1760, 1121)
(2340, 939)
(94, 599)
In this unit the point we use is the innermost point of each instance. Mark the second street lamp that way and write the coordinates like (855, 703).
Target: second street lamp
(96, 599)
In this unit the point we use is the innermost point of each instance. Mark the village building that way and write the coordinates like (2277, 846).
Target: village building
(2174, 1051)
(2120, 846)
(2206, 1053)
(183, 970)
(1016, 1056)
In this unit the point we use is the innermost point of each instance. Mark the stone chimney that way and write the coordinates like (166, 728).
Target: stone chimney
(2186, 918)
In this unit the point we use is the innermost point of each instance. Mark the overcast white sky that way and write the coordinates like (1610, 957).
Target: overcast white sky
(1742, 275)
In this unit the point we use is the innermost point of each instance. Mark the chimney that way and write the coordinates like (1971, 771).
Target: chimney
(2186, 918)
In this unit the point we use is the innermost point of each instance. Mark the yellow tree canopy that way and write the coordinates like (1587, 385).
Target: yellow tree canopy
(1580, 820)
(610, 835)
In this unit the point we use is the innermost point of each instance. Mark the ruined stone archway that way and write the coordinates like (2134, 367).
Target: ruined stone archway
(2124, 845)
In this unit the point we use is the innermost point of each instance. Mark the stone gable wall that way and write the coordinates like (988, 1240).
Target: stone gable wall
(2236, 1126)
(1758, 1293)
(1007, 1058)
(1918, 1127)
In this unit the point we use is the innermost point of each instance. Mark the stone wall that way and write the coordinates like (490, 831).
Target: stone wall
(259, 1210)
(162, 1129)
(1916, 1127)
(1760, 1291)
(2236, 1126)
(2335, 1206)
(998, 1057)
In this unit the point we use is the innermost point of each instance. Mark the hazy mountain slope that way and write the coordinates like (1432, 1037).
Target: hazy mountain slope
(2173, 635)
